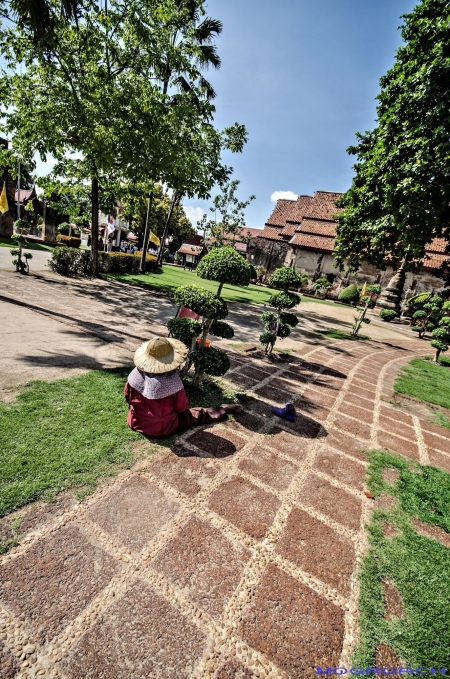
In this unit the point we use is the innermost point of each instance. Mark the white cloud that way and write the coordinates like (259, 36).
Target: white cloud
(194, 214)
(287, 195)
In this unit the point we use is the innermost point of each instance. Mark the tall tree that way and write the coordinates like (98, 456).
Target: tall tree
(400, 195)
(230, 225)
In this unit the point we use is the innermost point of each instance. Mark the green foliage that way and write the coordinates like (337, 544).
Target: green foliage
(184, 329)
(211, 361)
(69, 241)
(349, 294)
(400, 196)
(373, 289)
(122, 262)
(27, 255)
(225, 265)
(222, 329)
(321, 284)
(425, 381)
(388, 315)
(284, 300)
(289, 319)
(201, 302)
(418, 566)
(64, 229)
(231, 224)
(284, 330)
(419, 300)
(70, 262)
(269, 318)
(267, 338)
(285, 278)
(20, 224)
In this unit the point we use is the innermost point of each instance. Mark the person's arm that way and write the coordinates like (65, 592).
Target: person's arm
(181, 402)
(127, 392)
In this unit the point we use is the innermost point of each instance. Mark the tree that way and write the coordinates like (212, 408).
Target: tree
(429, 315)
(20, 242)
(400, 196)
(361, 318)
(134, 204)
(230, 226)
(321, 285)
(223, 265)
(279, 323)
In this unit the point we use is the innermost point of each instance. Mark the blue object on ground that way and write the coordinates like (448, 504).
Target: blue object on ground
(287, 413)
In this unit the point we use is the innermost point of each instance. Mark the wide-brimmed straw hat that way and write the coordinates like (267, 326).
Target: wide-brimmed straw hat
(160, 355)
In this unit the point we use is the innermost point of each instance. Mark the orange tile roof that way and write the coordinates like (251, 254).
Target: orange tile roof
(323, 205)
(282, 211)
(311, 242)
(190, 249)
(319, 227)
(271, 232)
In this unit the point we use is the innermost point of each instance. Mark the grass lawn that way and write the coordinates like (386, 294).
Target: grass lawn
(340, 334)
(70, 433)
(418, 566)
(172, 278)
(8, 243)
(425, 381)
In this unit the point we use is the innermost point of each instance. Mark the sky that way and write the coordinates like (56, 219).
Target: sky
(302, 76)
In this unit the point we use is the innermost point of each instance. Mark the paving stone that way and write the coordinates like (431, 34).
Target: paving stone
(233, 669)
(9, 665)
(385, 501)
(356, 427)
(258, 406)
(51, 583)
(189, 475)
(276, 396)
(140, 635)
(134, 512)
(242, 380)
(290, 444)
(389, 531)
(363, 414)
(202, 562)
(245, 422)
(41, 513)
(245, 505)
(217, 442)
(437, 442)
(255, 372)
(390, 475)
(398, 445)
(396, 414)
(318, 549)
(306, 426)
(393, 604)
(294, 626)
(320, 397)
(385, 656)
(290, 384)
(397, 428)
(269, 468)
(432, 532)
(434, 428)
(308, 409)
(341, 468)
(348, 444)
(331, 501)
(358, 400)
(438, 459)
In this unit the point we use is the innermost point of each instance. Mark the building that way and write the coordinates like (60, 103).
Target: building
(30, 208)
(191, 252)
(301, 234)
(240, 241)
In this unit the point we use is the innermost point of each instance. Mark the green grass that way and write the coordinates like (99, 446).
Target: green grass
(425, 381)
(418, 566)
(172, 278)
(340, 334)
(8, 243)
(70, 433)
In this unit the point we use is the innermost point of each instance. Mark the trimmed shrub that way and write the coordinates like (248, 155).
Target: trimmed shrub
(184, 329)
(419, 300)
(290, 319)
(286, 278)
(211, 361)
(267, 338)
(225, 265)
(201, 301)
(69, 241)
(284, 300)
(388, 315)
(122, 262)
(349, 294)
(71, 262)
(222, 329)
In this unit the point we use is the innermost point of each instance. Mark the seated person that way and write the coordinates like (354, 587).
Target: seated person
(158, 404)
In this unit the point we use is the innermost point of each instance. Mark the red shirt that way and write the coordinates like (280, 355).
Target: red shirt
(154, 417)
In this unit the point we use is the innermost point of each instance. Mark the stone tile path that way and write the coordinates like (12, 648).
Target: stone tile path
(232, 555)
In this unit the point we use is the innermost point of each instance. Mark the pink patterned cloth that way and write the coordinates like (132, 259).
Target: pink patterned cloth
(154, 386)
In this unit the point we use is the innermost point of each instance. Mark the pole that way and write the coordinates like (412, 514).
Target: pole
(18, 193)
(166, 228)
(146, 235)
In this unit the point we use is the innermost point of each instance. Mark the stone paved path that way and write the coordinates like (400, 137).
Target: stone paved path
(232, 555)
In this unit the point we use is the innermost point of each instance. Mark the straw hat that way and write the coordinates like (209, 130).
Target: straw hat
(160, 355)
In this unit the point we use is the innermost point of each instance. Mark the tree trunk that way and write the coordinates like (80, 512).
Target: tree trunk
(94, 231)
(146, 235)
(206, 328)
(197, 379)
(166, 228)
(185, 369)
(438, 353)
(219, 290)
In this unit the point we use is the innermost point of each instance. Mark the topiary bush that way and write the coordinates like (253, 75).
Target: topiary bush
(321, 285)
(70, 262)
(185, 329)
(279, 323)
(417, 301)
(122, 262)
(201, 302)
(428, 317)
(388, 315)
(222, 329)
(20, 242)
(69, 241)
(224, 265)
(210, 361)
(349, 294)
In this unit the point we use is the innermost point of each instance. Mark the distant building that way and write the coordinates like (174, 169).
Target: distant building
(191, 252)
(301, 234)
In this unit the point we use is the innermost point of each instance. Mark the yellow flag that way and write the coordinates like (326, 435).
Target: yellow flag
(364, 290)
(154, 239)
(4, 207)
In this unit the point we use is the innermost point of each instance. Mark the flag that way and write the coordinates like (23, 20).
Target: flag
(154, 239)
(364, 290)
(4, 207)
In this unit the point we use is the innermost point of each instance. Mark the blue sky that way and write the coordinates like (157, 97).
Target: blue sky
(302, 75)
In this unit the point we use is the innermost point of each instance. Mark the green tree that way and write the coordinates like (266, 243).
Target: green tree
(232, 217)
(400, 195)
(279, 323)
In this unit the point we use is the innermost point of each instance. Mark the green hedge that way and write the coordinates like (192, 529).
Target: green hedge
(69, 241)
